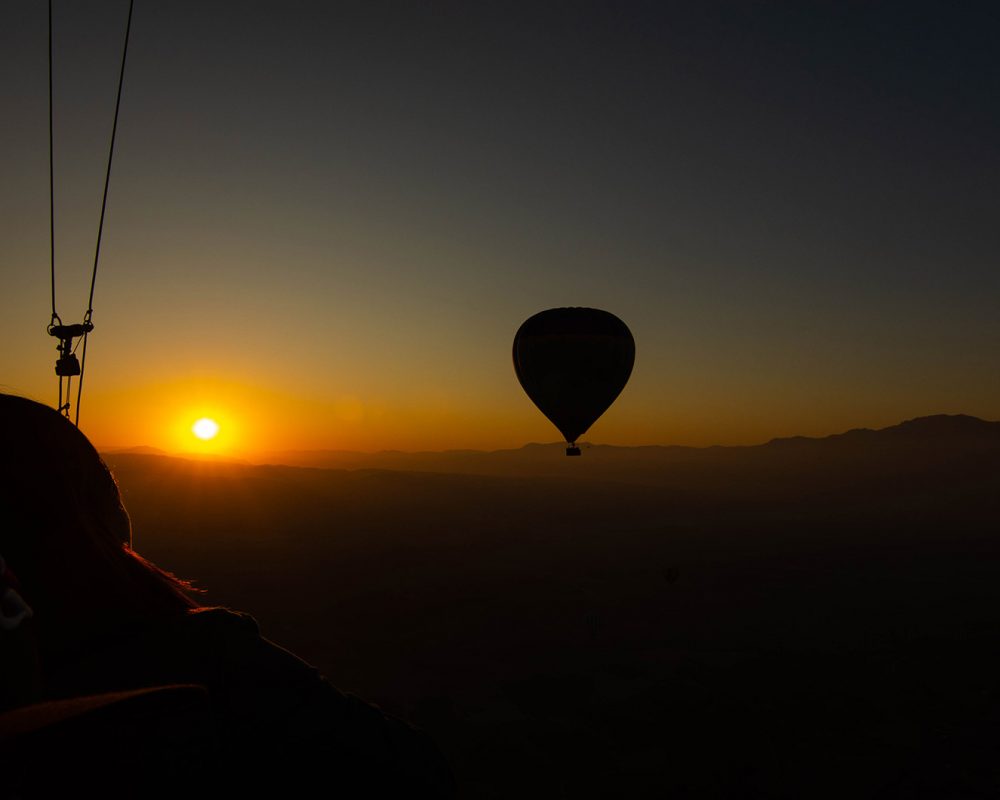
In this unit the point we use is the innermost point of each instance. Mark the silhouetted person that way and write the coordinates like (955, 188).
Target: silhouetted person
(105, 620)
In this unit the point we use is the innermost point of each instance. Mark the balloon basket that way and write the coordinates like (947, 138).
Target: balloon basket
(572, 450)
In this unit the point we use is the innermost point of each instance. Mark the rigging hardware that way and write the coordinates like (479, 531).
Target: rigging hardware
(67, 365)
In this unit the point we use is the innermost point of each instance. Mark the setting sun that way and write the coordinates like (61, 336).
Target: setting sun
(205, 428)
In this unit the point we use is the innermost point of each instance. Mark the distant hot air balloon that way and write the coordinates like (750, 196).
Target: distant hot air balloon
(573, 363)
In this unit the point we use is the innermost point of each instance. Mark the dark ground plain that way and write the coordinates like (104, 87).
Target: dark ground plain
(808, 618)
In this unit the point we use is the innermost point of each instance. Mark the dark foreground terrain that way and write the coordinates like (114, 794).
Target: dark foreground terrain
(808, 618)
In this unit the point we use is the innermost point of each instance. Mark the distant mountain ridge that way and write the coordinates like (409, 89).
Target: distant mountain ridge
(932, 427)
(921, 452)
(146, 450)
(938, 427)
(142, 450)
(940, 430)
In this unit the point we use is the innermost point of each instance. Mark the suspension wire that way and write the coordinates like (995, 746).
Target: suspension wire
(52, 195)
(107, 176)
(54, 319)
(79, 384)
(104, 205)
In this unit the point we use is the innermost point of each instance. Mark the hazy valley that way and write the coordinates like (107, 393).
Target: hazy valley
(636, 621)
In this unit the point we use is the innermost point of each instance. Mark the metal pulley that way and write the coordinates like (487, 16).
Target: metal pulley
(68, 365)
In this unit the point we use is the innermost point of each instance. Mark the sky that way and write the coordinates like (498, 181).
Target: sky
(326, 221)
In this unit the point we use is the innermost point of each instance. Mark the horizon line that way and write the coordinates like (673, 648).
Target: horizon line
(250, 456)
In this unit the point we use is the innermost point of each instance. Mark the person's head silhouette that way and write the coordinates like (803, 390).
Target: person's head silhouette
(67, 536)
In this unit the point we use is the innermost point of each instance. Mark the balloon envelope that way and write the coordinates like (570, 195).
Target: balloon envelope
(573, 363)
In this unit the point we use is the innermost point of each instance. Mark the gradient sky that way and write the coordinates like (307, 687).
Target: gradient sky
(327, 220)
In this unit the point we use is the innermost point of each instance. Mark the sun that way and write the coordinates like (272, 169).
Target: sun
(205, 429)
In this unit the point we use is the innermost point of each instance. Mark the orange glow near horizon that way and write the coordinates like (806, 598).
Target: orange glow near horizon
(200, 416)
(208, 431)
(260, 420)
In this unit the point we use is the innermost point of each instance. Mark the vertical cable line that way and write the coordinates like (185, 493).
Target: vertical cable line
(52, 194)
(54, 320)
(104, 205)
(107, 176)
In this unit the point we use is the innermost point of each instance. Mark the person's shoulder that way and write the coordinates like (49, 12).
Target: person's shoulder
(224, 630)
(221, 618)
(269, 697)
(236, 640)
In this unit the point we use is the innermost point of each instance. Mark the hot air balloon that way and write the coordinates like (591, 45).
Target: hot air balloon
(573, 363)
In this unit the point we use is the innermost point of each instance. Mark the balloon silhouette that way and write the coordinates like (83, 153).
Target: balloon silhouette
(573, 363)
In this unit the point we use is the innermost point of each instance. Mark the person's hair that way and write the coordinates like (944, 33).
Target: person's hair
(65, 533)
